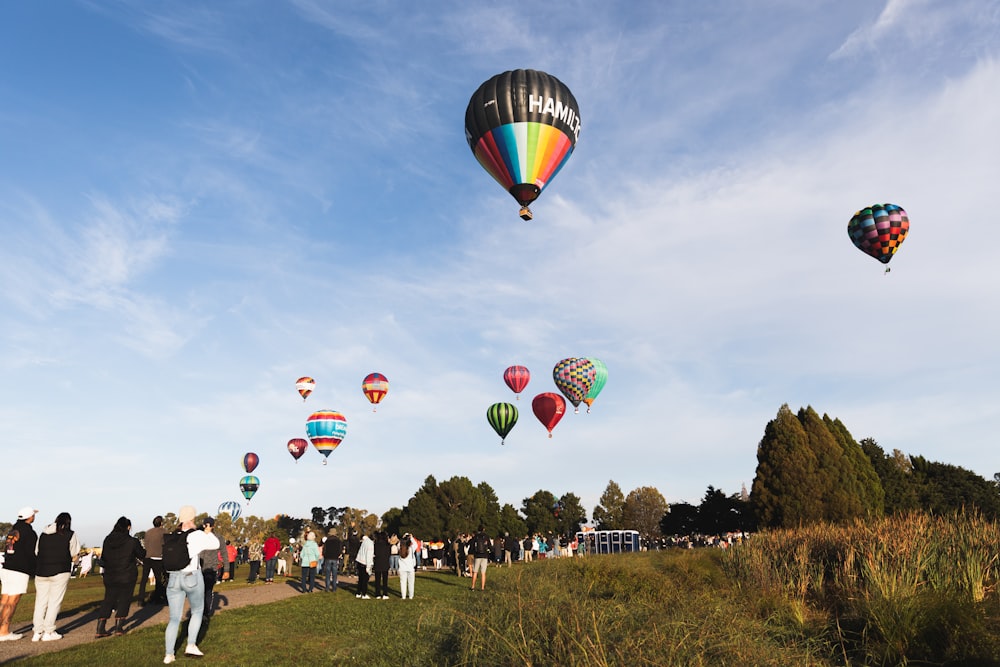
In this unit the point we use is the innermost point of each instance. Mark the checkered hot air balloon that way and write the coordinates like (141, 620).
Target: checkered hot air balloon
(574, 377)
(502, 417)
(375, 386)
(326, 429)
(879, 230)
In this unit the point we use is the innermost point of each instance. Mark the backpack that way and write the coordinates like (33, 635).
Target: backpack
(479, 545)
(175, 551)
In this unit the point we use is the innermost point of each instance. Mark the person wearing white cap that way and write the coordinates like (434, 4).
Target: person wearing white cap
(187, 583)
(18, 567)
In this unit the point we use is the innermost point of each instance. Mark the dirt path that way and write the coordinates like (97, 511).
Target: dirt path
(77, 626)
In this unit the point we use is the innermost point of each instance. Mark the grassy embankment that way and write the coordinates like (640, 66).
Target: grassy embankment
(918, 590)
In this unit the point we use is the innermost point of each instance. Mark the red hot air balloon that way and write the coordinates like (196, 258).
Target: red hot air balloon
(250, 461)
(517, 378)
(375, 386)
(297, 447)
(549, 408)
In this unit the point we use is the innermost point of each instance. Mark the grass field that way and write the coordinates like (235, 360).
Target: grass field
(762, 603)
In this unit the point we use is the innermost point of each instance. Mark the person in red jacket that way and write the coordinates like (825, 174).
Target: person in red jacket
(271, 548)
(231, 555)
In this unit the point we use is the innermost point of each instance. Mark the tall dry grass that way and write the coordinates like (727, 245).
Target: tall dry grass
(896, 588)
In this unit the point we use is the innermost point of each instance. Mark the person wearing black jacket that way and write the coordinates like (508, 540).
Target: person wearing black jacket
(57, 547)
(120, 556)
(332, 548)
(380, 565)
(18, 568)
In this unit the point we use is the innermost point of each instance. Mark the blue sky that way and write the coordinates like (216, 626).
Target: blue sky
(200, 202)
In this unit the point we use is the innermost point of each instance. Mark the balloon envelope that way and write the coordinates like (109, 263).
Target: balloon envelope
(297, 447)
(250, 461)
(326, 429)
(517, 378)
(574, 377)
(305, 385)
(502, 417)
(879, 230)
(549, 408)
(233, 507)
(375, 386)
(522, 126)
(249, 486)
(600, 379)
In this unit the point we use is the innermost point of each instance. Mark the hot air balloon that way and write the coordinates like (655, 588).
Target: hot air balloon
(549, 408)
(250, 461)
(249, 486)
(297, 447)
(600, 379)
(326, 428)
(305, 385)
(517, 378)
(233, 507)
(522, 127)
(879, 230)
(574, 377)
(375, 386)
(502, 417)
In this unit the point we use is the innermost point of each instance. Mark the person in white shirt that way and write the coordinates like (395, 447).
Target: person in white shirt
(188, 583)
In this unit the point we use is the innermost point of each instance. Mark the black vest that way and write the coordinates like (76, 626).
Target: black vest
(53, 554)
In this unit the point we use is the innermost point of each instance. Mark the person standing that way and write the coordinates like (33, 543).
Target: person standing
(481, 548)
(254, 555)
(353, 544)
(231, 560)
(210, 561)
(56, 549)
(380, 565)
(363, 560)
(18, 567)
(121, 555)
(272, 545)
(332, 549)
(309, 561)
(407, 566)
(187, 583)
(153, 562)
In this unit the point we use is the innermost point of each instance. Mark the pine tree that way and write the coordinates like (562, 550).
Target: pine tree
(608, 514)
(862, 482)
(783, 492)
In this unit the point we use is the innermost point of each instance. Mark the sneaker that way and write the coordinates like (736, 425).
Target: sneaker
(168, 658)
(51, 636)
(358, 596)
(193, 651)
(365, 597)
(9, 637)
(385, 597)
(36, 637)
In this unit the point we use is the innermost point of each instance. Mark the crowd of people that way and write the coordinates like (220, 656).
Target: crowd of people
(188, 564)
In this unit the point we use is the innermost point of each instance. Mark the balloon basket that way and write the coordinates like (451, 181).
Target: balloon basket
(324, 461)
(526, 213)
(550, 434)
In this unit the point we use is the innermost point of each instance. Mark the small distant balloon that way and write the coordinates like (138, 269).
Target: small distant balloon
(326, 429)
(517, 378)
(574, 377)
(549, 408)
(600, 379)
(502, 417)
(249, 486)
(250, 461)
(233, 507)
(375, 386)
(297, 447)
(879, 230)
(305, 385)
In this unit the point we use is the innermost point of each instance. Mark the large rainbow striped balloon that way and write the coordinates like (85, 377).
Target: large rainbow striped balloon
(326, 429)
(522, 127)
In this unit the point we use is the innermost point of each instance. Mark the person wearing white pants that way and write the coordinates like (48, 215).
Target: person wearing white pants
(57, 548)
(407, 566)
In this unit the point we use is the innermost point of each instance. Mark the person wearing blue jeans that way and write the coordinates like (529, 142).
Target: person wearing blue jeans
(332, 548)
(188, 583)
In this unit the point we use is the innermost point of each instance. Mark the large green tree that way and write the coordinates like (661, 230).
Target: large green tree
(571, 514)
(860, 479)
(511, 522)
(609, 512)
(784, 492)
(643, 511)
(895, 473)
(539, 512)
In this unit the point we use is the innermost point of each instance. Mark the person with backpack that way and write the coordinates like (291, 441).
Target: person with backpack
(481, 548)
(407, 566)
(185, 581)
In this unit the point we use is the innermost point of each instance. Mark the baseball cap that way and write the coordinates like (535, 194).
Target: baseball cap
(26, 512)
(186, 513)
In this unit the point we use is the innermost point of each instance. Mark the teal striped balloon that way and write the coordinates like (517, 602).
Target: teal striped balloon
(502, 417)
(600, 379)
